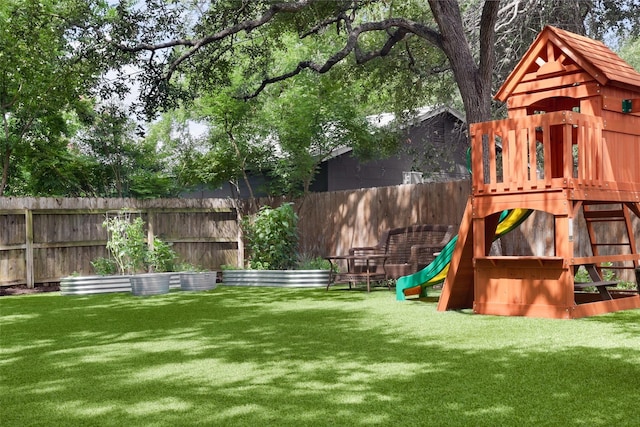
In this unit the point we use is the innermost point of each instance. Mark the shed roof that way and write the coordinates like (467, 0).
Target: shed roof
(593, 56)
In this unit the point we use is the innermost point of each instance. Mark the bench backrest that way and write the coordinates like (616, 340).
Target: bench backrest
(407, 249)
(398, 241)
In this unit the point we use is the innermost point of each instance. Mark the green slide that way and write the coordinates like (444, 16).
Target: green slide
(436, 272)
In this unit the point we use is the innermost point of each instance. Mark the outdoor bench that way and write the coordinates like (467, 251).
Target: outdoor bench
(399, 252)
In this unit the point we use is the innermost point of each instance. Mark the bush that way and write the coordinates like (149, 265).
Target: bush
(306, 262)
(104, 266)
(162, 258)
(127, 245)
(272, 238)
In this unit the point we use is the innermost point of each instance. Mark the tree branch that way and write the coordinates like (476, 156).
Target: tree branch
(196, 44)
(324, 24)
(402, 28)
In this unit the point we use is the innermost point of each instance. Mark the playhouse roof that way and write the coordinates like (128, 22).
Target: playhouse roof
(557, 51)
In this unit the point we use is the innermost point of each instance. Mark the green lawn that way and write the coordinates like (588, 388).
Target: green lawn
(299, 357)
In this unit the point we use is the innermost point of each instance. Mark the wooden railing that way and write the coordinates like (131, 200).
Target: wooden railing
(542, 151)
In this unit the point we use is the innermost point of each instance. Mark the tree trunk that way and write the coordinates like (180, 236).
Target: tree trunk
(5, 172)
(474, 81)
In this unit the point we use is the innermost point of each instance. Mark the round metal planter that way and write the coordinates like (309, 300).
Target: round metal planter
(278, 278)
(150, 284)
(198, 281)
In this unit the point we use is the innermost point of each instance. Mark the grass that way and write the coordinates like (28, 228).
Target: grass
(304, 357)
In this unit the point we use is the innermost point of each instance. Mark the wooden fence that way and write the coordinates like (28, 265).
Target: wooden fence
(44, 239)
(333, 222)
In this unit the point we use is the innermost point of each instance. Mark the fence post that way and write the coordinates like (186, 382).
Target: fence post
(28, 250)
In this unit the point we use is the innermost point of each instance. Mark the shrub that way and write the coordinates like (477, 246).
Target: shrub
(272, 238)
(127, 245)
(104, 266)
(162, 257)
(306, 262)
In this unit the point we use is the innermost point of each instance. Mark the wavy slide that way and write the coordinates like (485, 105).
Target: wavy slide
(436, 272)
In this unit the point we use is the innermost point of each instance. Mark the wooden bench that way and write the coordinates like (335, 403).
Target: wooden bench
(400, 251)
(410, 249)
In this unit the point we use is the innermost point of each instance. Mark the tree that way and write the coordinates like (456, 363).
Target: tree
(283, 134)
(44, 71)
(465, 33)
(631, 52)
(396, 50)
(124, 164)
(236, 142)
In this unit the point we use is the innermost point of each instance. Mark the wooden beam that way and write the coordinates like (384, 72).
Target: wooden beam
(604, 258)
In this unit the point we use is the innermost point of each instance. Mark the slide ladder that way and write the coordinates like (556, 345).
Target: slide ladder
(609, 216)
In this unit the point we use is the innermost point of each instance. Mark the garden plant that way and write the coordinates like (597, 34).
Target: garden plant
(128, 247)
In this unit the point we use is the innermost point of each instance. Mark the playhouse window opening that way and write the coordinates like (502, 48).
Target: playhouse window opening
(549, 105)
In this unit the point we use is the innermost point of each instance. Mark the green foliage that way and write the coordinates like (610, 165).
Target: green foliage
(125, 164)
(306, 262)
(54, 140)
(272, 238)
(162, 258)
(104, 266)
(185, 266)
(608, 274)
(630, 52)
(127, 242)
(309, 117)
(285, 134)
(236, 142)
(52, 54)
(45, 69)
(128, 246)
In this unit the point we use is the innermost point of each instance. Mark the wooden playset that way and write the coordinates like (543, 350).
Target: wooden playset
(570, 146)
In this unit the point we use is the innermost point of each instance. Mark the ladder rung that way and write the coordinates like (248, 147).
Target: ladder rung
(618, 213)
(605, 219)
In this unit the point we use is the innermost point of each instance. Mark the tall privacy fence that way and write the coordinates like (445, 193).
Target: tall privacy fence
(44, 239)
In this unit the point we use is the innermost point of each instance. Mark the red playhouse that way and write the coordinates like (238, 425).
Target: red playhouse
(570, 146)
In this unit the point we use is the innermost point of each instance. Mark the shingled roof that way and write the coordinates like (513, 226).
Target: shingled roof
(555, 50)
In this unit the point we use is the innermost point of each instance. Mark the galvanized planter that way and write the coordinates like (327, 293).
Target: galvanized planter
(197, 281)
(150, 283)
(278, 278)
(87, 285)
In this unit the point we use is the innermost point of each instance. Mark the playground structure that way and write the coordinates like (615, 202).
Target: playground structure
(570, 146)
